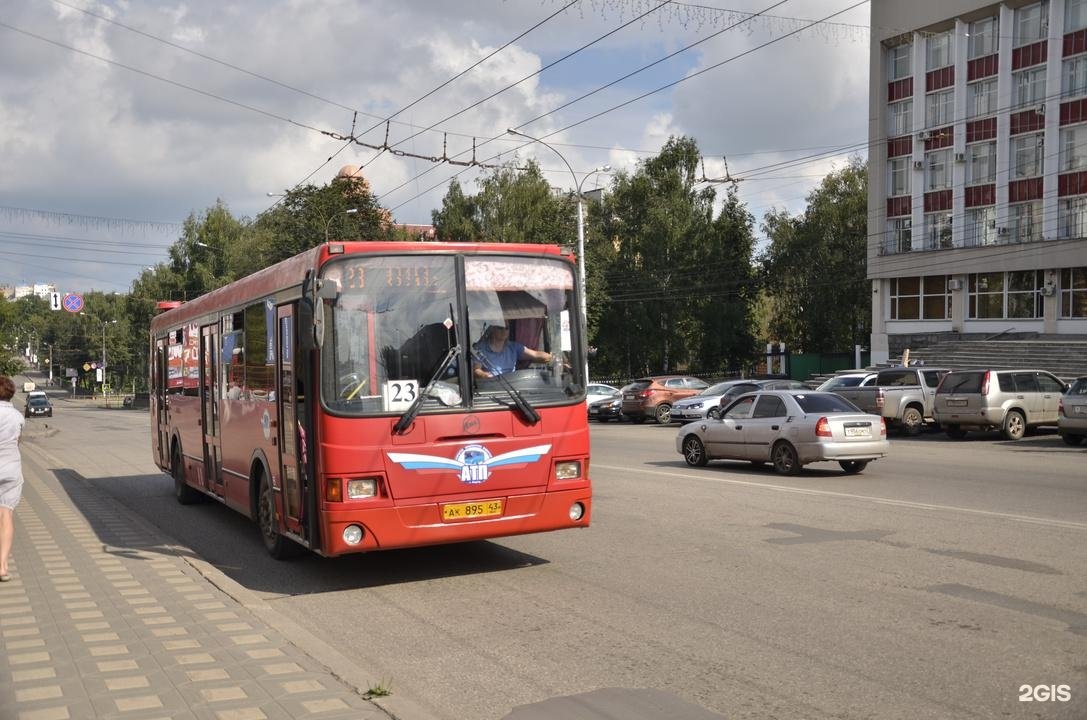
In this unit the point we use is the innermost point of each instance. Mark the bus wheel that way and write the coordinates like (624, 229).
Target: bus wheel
(185, 493)
(277, 546)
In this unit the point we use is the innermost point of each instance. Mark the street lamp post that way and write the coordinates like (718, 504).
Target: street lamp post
(104, 323)
(349, 211)
(580, 228)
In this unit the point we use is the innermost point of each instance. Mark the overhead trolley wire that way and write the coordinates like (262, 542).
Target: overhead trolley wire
(628, 102)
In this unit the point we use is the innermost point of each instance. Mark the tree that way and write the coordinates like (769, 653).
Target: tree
(299, 221)
(514, 205)
(678, 284)
(458, 219)
(815, 267)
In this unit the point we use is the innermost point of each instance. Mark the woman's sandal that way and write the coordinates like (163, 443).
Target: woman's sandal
(5, 578)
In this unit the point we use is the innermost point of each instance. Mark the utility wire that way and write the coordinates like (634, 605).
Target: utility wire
(527, 77)
(624, 104)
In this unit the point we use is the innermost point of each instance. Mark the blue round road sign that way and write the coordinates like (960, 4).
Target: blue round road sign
(73, 303)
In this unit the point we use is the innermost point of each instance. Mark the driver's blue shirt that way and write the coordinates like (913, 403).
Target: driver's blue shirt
(499, 363)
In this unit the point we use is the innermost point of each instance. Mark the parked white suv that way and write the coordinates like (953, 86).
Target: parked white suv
(1011, 401)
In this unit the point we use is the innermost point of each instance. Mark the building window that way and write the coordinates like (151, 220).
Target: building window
(900, 118)
(981, 163)
(1074, 77)
(983, 38)
(1012, 295)
(1024, 299)
(985, 292)
(1027, 156)
(1025, 221)
(1029, 87)
(938, 170)
(981, 99)
(940, 108)
(1074, 292)
(898, 61)
(938, 51)
(899, 236)
(899, 172)
(920, 298)
(1031, 23)
(1073, 148)
(938, 231)
(1075, 15)
(935, 298)
(980, 227)
(906, 298)
(1072, 217)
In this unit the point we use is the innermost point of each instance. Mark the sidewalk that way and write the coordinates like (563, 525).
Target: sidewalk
(105, 618)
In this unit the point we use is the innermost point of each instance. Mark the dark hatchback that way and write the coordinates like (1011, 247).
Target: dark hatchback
(38, 405)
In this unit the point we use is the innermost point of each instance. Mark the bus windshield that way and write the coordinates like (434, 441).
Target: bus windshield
(397, 318)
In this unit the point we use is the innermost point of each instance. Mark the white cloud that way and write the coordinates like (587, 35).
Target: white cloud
(83, 136)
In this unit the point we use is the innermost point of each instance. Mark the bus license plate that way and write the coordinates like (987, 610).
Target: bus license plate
(471, 510)
(858, 432)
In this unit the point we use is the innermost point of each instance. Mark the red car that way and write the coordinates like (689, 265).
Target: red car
(652, 397)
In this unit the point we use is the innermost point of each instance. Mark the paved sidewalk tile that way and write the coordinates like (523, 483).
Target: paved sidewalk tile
(104, 619)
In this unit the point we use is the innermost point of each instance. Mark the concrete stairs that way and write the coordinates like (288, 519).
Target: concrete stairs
(1067, 359)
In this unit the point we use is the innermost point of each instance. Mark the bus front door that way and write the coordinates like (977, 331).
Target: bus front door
(288, 438)
(209, 401)
(162, 415)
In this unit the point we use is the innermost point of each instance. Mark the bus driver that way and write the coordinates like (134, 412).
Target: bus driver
(497, 354)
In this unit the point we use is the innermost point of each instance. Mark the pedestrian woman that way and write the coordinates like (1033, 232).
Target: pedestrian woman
(11, 471)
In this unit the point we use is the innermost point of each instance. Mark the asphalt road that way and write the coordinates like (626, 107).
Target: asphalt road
(937, 584)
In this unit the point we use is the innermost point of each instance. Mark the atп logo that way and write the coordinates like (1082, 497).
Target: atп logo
(474, 459)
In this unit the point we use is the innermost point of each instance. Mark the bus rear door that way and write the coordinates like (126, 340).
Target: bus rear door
(209, 415)
(287, 412)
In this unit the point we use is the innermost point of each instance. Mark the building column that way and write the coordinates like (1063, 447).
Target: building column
(879, 348)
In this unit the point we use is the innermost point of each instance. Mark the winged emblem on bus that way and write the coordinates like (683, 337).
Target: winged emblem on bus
(473, 462)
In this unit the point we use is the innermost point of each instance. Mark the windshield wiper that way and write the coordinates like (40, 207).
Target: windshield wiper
(408, 417)
(523, 405)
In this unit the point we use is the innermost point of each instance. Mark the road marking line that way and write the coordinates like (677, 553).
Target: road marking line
(1067, 524)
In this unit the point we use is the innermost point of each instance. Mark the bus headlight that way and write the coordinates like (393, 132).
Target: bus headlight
(577, 511)
(568, 470)
(352, 534)
(361, 488)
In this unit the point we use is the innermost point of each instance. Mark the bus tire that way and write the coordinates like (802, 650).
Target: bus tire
(279, 547)
(185, 493)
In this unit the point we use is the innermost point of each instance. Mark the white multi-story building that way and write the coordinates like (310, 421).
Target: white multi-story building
(977, 194)
(42, 290)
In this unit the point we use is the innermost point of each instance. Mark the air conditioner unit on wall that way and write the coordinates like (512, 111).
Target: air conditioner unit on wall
(1040, 109)
(918, 165)
(1049, 290)
(960, 157)
(954, 284)
(924, 135)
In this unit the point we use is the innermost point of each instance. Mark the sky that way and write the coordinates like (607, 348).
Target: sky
(121, 118)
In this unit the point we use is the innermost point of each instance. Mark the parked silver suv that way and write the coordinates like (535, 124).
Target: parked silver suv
(1072, 423)
(1007, 400)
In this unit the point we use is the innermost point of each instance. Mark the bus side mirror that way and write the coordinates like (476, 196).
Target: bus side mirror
(327, 290)
(323, 291)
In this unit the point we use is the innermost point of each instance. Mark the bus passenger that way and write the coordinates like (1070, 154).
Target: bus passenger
(498, 355)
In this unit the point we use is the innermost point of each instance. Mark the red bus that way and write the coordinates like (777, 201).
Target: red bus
(333, 397)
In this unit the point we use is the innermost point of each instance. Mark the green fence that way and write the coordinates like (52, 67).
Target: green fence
(803, 365)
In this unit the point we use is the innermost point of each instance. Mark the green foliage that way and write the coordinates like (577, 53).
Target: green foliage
(677, 287)
(512, 206)
(815, 266)
(458, 219)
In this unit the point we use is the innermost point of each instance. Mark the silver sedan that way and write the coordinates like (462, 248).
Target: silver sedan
(788, 428)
